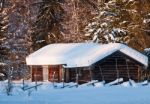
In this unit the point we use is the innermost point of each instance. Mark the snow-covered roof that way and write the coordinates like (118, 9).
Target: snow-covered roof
(80, 54)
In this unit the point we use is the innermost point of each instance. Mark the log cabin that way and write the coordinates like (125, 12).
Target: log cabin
(83, 62)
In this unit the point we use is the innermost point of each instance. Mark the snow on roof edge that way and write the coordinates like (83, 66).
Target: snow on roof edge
(62, 59)
(143, 59)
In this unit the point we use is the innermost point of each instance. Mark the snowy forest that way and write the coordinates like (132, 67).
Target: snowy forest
(27, 25)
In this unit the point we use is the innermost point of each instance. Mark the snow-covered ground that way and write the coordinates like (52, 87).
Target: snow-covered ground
(98, 94)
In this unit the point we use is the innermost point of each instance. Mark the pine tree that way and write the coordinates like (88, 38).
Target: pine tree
(47, 28)
(1, 32)
(105, 27)
(3, 20)
(120, 21)
(3, 48)
(61, 21)
(15, 26)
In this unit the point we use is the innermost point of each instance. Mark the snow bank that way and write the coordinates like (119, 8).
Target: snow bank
(117, 81)
(99, 84)
(46, 94)
(129, 83)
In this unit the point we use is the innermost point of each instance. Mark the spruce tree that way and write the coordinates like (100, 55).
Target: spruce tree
(3, 48)
(106, 26)
(47, 28)
(121, 21)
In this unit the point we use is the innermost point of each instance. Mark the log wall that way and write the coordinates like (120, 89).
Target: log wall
(37, 73)
(117, 65)
(83, 75)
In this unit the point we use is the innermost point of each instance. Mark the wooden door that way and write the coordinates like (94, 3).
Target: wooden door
(55, 73)
(37, 74)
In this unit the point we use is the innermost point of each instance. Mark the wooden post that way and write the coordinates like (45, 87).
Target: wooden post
(63, 76)
(117, 70)
(67, 75)
(60, 71)
(77, 77)
(23, 83)
(90, 70)
(36, 78)
(36, 85)
(128, 73)
(138, 74)
(101, 73)
(53, 79)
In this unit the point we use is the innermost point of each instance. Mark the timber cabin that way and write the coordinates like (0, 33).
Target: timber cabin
(87, 61)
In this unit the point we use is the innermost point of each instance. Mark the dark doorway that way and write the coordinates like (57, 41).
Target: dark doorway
(37, 74)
